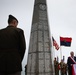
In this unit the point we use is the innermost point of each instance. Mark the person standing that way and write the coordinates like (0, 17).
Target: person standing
(70, 61)
(12, 48)
(63, 68)
(56, 67)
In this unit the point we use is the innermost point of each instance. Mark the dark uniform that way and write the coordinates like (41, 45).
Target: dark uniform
(12, 49)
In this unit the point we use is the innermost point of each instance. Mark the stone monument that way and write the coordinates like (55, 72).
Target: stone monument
(39, 55)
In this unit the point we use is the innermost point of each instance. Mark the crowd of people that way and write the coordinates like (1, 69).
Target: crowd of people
(65, 68)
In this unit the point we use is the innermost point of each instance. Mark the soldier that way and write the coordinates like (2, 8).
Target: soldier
(12, 48)
(63, 68)
(56, 67)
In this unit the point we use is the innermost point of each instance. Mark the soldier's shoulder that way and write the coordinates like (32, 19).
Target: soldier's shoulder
(19, 29)
(2, 29)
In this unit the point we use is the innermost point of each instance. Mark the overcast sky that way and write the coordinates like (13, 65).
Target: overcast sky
(61, 18)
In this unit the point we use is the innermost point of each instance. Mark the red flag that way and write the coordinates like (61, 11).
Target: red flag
(65, 41)
(55, 44)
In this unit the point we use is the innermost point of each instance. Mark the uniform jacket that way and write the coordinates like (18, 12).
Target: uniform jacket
(12, 49)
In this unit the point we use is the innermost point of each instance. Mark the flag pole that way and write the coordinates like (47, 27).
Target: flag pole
(53, 53)
(60, 53)
(53, 50)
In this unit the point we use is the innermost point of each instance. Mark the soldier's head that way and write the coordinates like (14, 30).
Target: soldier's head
(12, 21)
(55, 58)
(62, 60)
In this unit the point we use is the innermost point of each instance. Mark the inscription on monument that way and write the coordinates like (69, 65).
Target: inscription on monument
(42, 15)
(40, 37)
(40, 46)
(41, 55)
(46, 36)
(43, 25)
(41, 66)
(47, 66)
(46, 46)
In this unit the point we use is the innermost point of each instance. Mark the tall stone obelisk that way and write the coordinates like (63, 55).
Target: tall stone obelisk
(39, 54)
